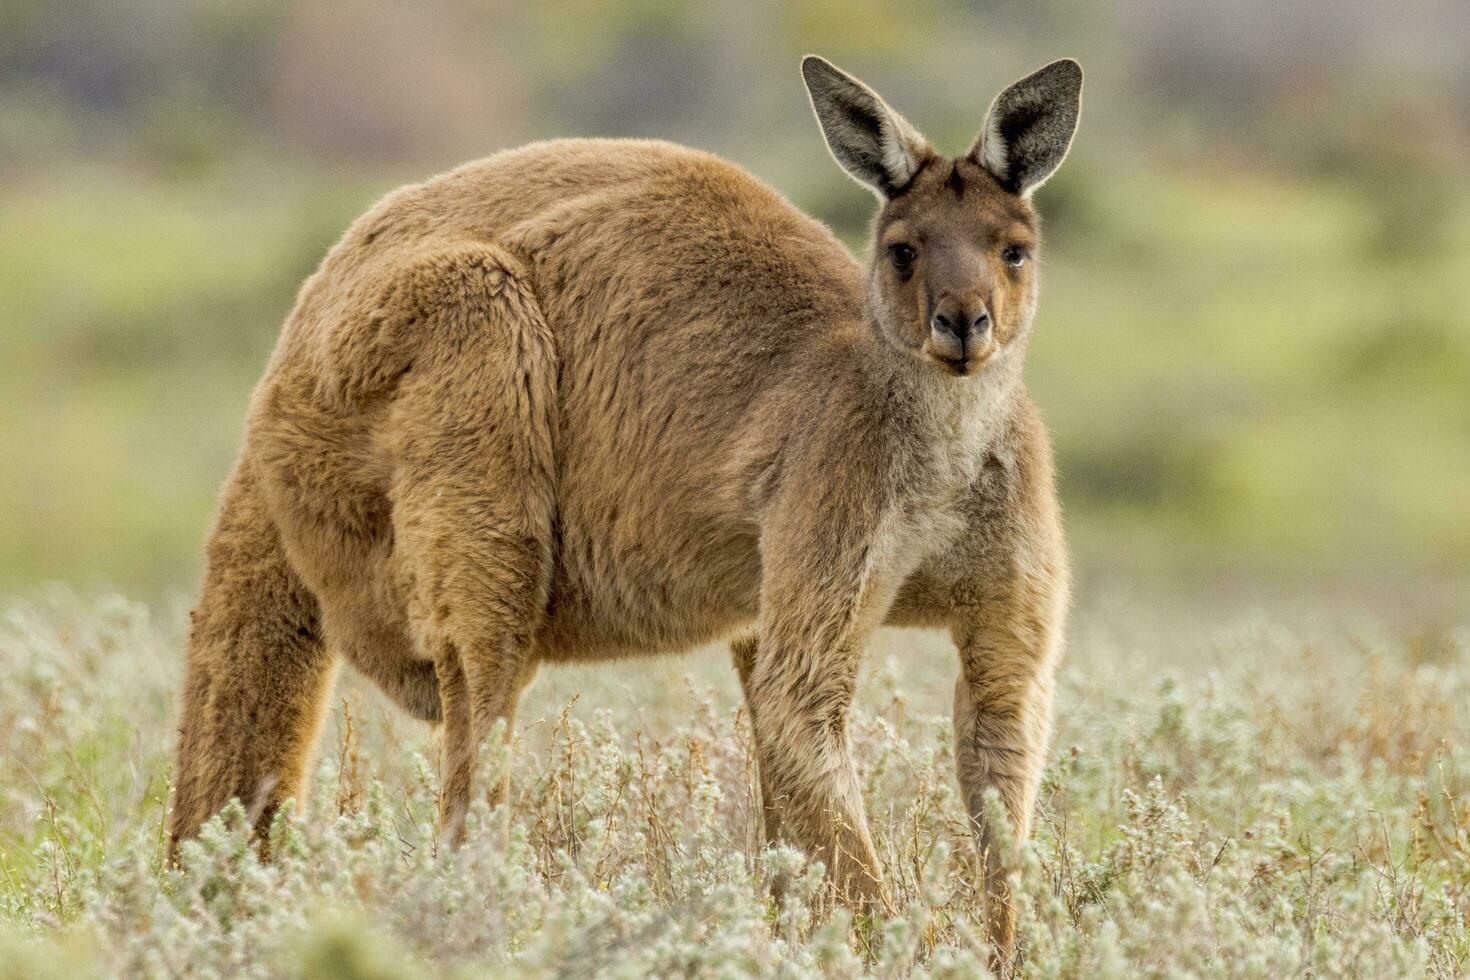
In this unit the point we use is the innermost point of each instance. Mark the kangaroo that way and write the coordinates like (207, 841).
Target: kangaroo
(597, 398)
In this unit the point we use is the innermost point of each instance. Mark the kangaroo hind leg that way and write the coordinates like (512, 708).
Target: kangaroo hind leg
(473, 496)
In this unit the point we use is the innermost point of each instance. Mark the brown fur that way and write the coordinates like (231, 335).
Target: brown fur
(590, 399)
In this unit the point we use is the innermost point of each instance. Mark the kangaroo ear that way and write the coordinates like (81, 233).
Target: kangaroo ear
(1030, 127)
(874, 144)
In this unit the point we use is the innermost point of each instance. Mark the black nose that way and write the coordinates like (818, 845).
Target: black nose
(961, 325)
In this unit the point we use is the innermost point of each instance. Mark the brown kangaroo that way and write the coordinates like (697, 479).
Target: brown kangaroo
(597, 398)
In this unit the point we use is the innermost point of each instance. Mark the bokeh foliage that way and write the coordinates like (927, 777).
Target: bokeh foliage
(1253, 351)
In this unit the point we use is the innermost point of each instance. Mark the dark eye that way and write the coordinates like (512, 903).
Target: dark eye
(1014, 255)
(902, 255)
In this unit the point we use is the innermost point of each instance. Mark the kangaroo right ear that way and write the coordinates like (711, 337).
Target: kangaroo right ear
(874, 144)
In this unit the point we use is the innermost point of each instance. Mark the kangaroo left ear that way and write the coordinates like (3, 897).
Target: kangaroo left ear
(1030, 127)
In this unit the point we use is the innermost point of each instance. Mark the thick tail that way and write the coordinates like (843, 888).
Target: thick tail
(256, 676)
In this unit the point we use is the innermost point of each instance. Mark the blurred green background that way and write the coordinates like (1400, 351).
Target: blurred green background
(1253, 349)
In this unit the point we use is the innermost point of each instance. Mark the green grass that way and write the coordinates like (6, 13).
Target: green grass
(1240, 373)
(138, 316)
(1267, 802)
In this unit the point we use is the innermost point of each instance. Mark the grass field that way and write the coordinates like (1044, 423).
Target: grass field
(1277, 796)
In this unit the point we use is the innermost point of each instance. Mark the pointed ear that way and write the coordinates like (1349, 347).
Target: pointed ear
(874, 144)
(1030, 127)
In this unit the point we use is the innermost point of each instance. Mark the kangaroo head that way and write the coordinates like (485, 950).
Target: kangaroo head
(952, 279)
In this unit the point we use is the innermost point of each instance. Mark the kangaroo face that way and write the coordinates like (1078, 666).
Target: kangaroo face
(953, 275)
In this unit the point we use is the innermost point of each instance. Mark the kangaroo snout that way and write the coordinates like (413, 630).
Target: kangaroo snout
(958, 331)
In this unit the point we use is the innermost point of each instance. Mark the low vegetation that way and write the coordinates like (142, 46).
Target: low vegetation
(1271, 803)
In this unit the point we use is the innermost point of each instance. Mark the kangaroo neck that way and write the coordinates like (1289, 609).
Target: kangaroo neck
(948, 407)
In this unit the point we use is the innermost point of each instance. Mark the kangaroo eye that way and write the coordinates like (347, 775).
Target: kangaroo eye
(902, 255)
(1014, 256)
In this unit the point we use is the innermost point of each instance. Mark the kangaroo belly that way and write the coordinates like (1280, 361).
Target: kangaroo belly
(646, 580)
